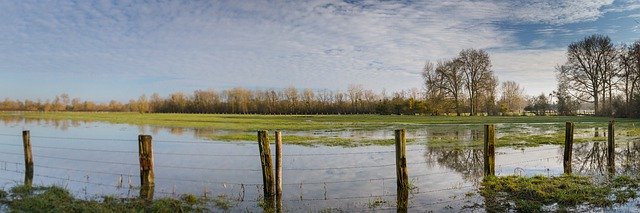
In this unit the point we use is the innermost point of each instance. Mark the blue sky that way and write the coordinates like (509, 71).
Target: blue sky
(102, 50)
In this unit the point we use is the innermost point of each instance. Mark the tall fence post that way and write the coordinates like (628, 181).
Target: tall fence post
(145, 152)
(278, 171)
(267, 166)
(28, 158)
(489, 150)
(611, 147)
(401, 170)
(568, 147)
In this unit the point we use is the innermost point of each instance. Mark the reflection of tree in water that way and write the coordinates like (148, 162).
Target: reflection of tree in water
(628, 158)
(55, 123)
(591, 158)
(467, 162)
(455, 156)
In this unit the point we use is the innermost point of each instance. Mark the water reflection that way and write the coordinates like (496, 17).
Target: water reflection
(591, 158)
(440, 163)
(467, 162)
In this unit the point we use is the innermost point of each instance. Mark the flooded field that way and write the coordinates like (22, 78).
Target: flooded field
(444, 161)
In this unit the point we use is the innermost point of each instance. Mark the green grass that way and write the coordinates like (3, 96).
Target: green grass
(550, 129)
(298, 122)
(308, 140)
(538, 193)
(56, 199)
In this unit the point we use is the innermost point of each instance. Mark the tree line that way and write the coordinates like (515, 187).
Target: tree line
(596, 73)
(356, 100)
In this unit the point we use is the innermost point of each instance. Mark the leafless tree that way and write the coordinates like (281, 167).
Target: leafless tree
(476, 66)
(590, 70)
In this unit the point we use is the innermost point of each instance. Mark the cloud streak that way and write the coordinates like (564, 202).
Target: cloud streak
(274, 44)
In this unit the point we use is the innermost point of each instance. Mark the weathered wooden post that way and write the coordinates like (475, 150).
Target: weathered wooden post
(267, 166)
(489, 150)
(611, 147)
(278, 171)
(568, 147)
(401, 170)
(28, 158)
(145, 152)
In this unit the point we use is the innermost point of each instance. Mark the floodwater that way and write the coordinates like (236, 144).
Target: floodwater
(93, 159)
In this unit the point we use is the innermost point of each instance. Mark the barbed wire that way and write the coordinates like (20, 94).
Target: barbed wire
(529, 151)
(65, 179)
(207, 169)
(528, 161)
(84, 139)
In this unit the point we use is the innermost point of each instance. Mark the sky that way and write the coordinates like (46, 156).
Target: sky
(103, 50)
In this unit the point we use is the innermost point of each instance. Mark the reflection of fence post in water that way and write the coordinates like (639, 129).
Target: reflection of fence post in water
(267, 167)
(568, 147)
(278, 171)
(611, 147)
(28, 158)
(489, 150)
(401, 170)
(145, 152)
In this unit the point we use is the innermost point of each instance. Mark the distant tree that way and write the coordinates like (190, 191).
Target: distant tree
(512, 98)
(541, 104)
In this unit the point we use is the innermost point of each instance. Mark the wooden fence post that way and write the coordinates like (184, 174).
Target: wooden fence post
(489, 150)
(401, 170)
(28, 158)
(278, 171)
(145, 152)
(267, 166)
(568, 147)
(611, 147)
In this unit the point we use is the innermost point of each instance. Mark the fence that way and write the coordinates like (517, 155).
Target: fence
(271, 183)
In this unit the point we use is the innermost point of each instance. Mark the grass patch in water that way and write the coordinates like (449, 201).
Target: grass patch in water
(568, 192)
(56, 199)
(309, 140)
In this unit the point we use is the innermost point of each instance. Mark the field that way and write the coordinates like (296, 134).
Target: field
(327, 157)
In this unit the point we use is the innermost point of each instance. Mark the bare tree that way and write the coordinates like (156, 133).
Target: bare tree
(589, 69)
(629, 63)
(476, 66)
(450, 77)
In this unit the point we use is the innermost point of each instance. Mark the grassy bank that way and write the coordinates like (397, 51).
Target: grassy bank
(55, 199)
(563, 193)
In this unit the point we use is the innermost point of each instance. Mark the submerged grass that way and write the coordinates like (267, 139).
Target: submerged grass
(56, 199)
(562, 193)
(309, 140)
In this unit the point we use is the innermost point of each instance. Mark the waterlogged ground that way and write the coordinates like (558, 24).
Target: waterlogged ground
(352, 170)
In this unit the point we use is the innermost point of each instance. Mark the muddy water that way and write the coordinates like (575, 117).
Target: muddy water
(94, 159)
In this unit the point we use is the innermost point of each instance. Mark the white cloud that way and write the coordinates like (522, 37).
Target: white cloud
(558, 12)
(312, 44)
